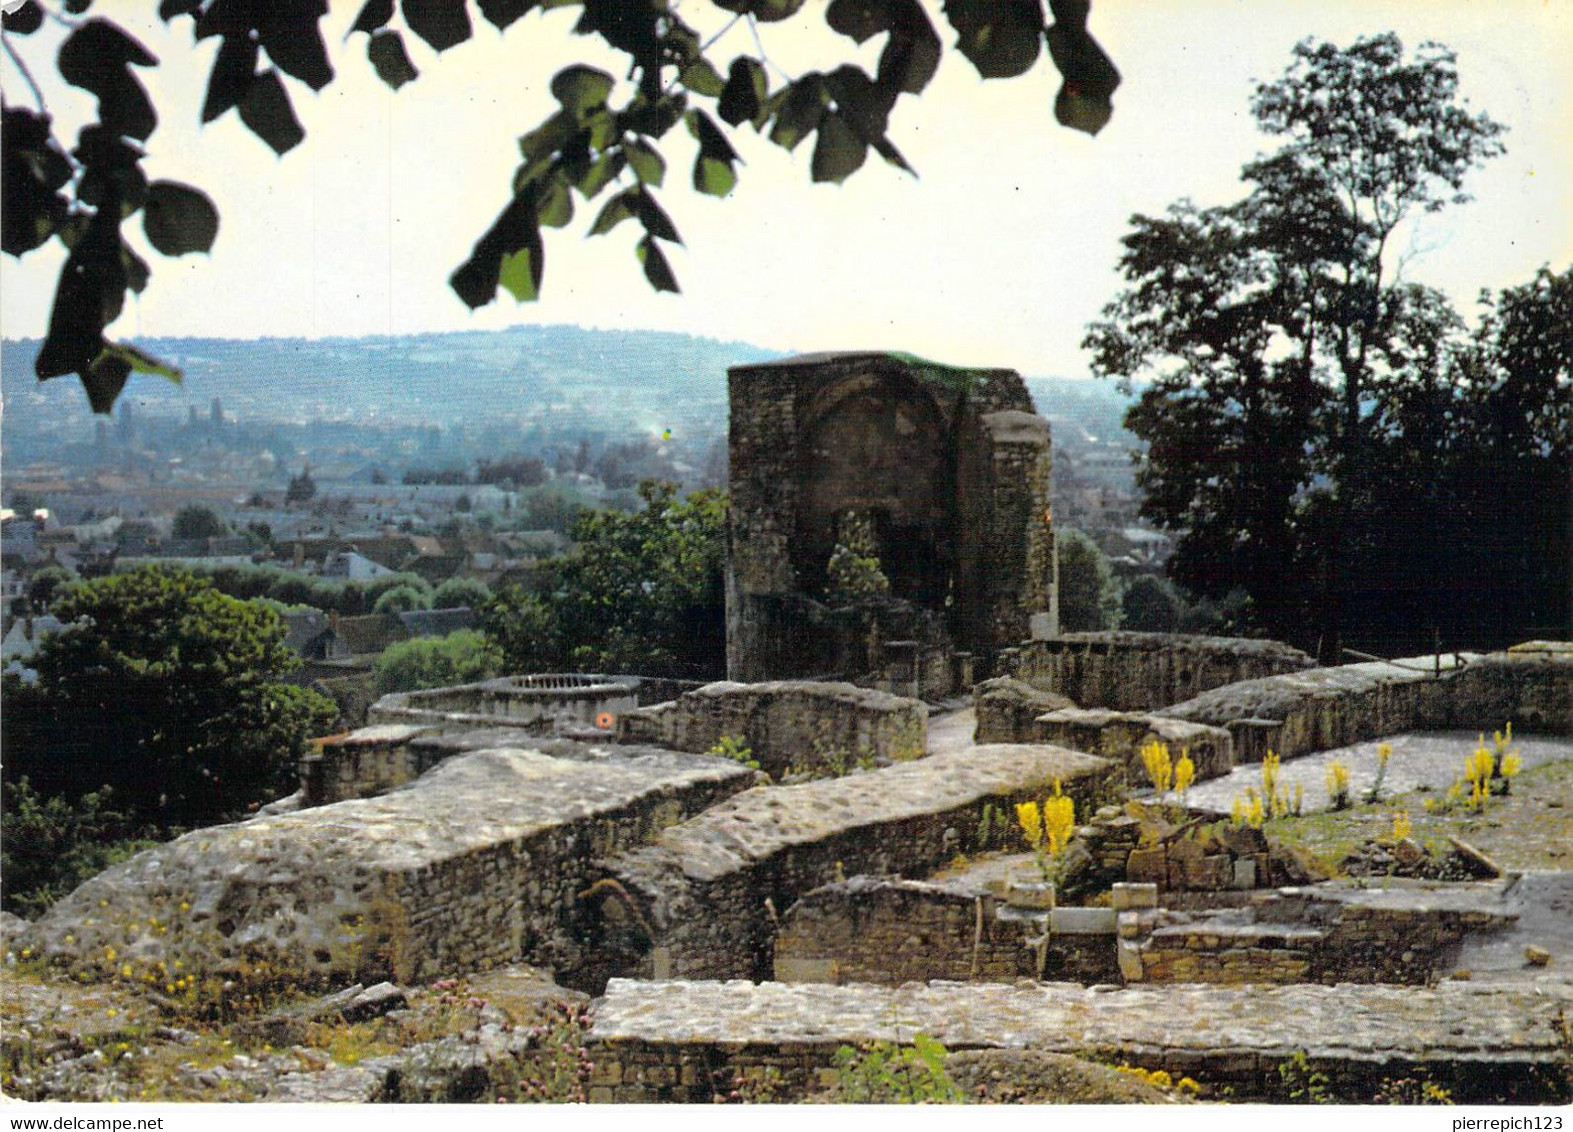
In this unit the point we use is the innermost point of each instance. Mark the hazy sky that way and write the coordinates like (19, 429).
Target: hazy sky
(999, 253)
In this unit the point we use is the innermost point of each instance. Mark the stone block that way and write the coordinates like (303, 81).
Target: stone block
(1209, 874)
(1243, 873)
(1128, 895)
(1130, 959)
(1147, 866)
(1082, 921)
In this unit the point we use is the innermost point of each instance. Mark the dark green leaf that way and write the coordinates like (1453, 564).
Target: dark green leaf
(98, 57)
(137, 270)
(77, 7)
(35, 167)
(233, 72)
(169, 9)
(581, 89)
(88, 297)
(297, 49)
(103, 379)
(653, 118)
(800, 111)
(26, 20)
(501, 13)
(141, 362)
(1000, 37)
(701, 78)
(514, 230)
(179, 219)
(891, 154)
(554, 205)
(548, 137)
(441, 23)
(648, 165)
(911, 58)
(1086, 113)
(745, 92)
(1088, 71)
(839, 152)
(521, 272)
(766, 11)
(712, 142)
(268, 114)
(616, 210)
(600, 173)
(865, 106)
(654, 218)
(714, 177)
(656, 269)
(373, 15)
(386, 52)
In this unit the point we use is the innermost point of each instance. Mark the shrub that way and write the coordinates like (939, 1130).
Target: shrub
(401, 599)
(49, 845)
(885, 1073)
(462, 657)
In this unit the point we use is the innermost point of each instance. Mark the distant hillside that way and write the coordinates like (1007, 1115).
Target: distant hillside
(548, 376)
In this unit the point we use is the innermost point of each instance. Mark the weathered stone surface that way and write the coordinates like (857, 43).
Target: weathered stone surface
(473, 865)
(953, 464)
(1007, 711)
(787, 723)
(1121, 736)
(1144, 671)
(1480, 1041)
(1331, 707)
(697, 896)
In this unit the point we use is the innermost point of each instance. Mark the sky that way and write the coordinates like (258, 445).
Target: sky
(999, 252)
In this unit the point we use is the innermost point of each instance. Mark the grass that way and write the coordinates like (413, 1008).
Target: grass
(1531, 828)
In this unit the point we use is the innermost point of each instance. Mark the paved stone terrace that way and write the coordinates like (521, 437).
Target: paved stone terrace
(1220, 1035)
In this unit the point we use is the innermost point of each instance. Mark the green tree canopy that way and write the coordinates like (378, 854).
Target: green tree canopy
(168, 692)
(1273, 333)
(694, 65)
(1089, 591)
(456, 592)
(435, 662)
(642, 592)
(198, 521)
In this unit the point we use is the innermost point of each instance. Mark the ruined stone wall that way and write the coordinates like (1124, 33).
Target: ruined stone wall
(511, 701)
(672, 1041)
(701, 890)
(476, 864)
(364, 763)
(1121, 735)
(787, 724)
(1323, 708)
(1144, 671)
(1007, 710)
(950, 465)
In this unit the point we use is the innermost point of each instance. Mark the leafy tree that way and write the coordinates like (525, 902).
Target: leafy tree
(435, 662)
(1089, 591)
(198, 522)
(604, 140)
(376, 587)
(642, 592)
(50, 845)
(1272, 330)
(401, 599)
(1151, 604)
(457, 592)
(168, 692)
(45, 584)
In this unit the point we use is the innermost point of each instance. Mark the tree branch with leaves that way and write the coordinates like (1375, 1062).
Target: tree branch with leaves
(604, 142)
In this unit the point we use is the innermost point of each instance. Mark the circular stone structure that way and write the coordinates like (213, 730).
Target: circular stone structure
(512, 701)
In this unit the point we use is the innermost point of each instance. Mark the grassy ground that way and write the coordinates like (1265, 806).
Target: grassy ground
(1531, 828)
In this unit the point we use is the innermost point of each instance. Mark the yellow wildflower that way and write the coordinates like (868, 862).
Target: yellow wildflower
(1184, 772)
(1031, 821)
(1402, 827)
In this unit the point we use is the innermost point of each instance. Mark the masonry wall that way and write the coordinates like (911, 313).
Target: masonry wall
(951, 464)
(703, 900)
(1323, 708)
(787, 724)
(1129, 671)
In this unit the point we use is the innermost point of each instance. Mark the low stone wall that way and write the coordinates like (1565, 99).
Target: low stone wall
(1324, 708)
(1008, 709)
(891, 931)
(787, 723)
(702, 900)
(673, 1041)
(364, 763)
(476, 864)
(516, 701)
(1121, 735)
(1143, 671)
(1330, 933)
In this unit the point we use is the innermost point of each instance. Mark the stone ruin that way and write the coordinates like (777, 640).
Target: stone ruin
(752, 873)
(950, 466)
